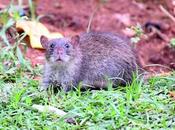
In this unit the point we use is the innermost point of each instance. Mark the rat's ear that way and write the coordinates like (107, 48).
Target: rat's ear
(44, 41)
(75, 40)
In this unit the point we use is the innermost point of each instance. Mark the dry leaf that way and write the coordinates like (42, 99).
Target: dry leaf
(172, 94)
(34, 30)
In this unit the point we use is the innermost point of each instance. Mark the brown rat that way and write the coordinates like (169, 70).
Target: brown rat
(91, 58)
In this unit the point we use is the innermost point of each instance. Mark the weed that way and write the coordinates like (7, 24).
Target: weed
(172, 42)
(138, 33)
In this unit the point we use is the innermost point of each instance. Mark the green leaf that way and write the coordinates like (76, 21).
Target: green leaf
(4, 17)
(135, 39)
(16, 15)
(11, 70)
(172, 42)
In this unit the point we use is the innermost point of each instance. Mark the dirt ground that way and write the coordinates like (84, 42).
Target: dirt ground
(71, 17)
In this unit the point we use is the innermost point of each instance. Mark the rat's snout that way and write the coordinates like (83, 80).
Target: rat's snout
(60, 55)
(60, 51)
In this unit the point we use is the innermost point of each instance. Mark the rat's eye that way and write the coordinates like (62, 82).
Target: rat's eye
(52, 46)
(67, 45)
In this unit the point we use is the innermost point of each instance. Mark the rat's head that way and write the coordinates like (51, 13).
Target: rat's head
(61, 50)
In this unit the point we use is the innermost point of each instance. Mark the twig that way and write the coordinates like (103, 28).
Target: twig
(55, 111)
(91, 18)
(93, 14)
(159, 33)
(50, 109)
(167, 13)
(159, 65)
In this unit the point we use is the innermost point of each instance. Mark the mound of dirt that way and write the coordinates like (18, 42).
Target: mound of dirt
(71, 17)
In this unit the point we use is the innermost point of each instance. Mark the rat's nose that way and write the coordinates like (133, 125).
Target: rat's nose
(60, 50)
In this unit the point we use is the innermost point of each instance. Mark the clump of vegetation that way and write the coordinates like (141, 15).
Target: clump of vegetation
(172, 42)
(13, 62)
(137, 106)
(138, 33)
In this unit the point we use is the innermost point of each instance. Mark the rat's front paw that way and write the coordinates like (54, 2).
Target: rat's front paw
(65, 88)
(43, 87)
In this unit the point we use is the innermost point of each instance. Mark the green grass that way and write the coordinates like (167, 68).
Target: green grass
(138, 106)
